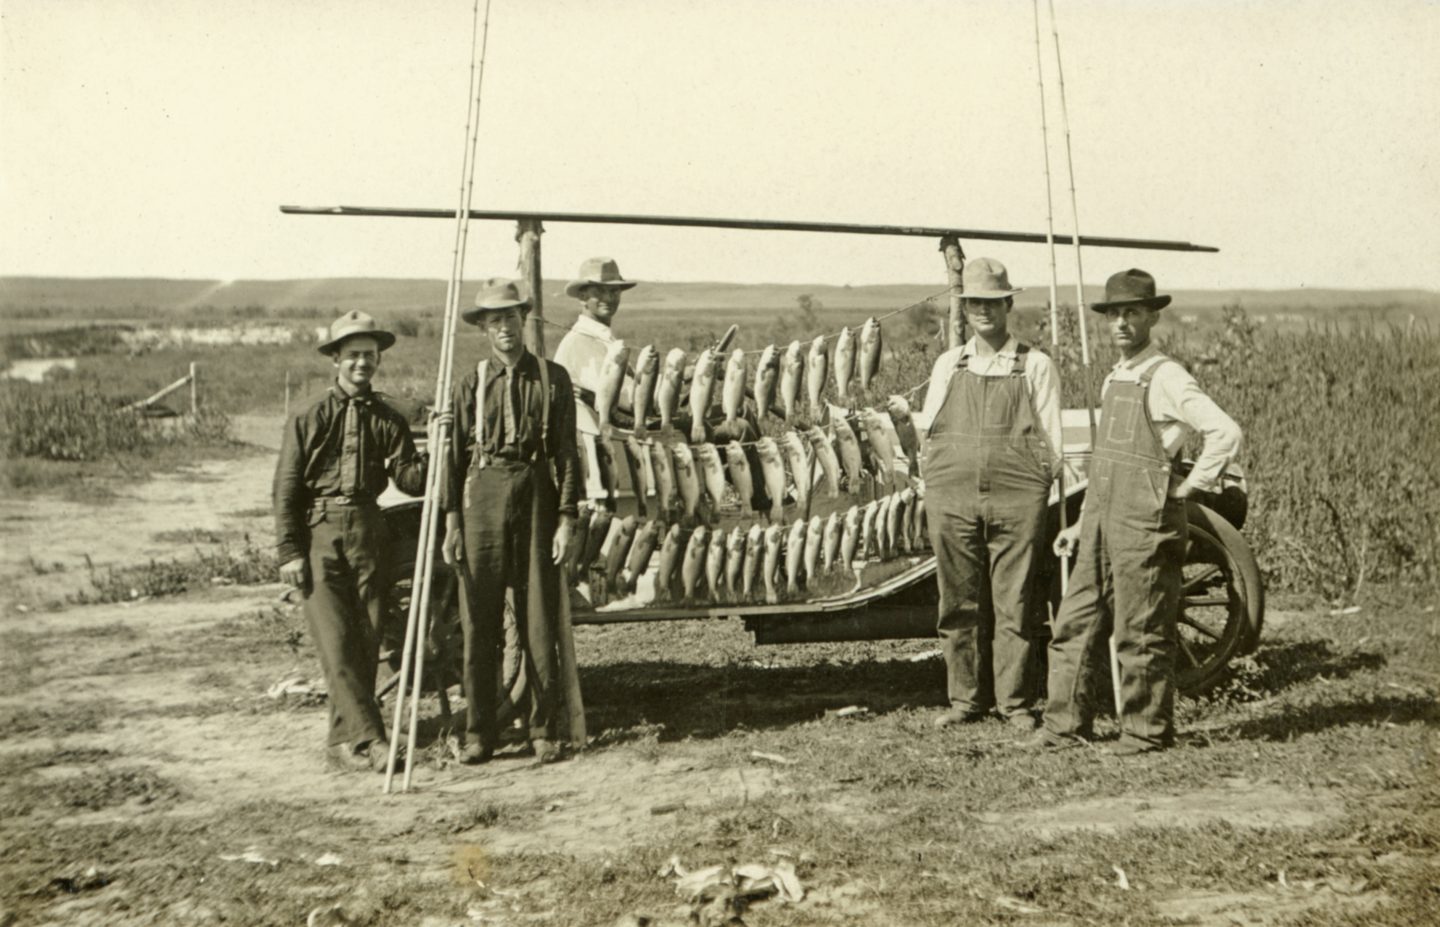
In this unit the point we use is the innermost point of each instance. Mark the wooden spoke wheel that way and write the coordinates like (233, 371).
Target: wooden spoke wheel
(1222, 601)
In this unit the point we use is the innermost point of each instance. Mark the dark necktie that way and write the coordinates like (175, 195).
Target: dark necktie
(511, 430)
(350, 451)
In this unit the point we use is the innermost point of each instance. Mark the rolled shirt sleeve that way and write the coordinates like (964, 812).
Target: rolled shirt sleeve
(290, 498)
(564, 448)
(1181, 408)
(940, 375)
(1045, 394)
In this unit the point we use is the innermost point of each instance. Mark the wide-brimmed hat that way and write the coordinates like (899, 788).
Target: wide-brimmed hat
(354, 323)
(599, 271)
(495, 294)
(986, 278)
(1131, 287)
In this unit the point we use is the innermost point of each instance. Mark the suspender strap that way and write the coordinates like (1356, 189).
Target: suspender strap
(482, 371)
(1022, 352)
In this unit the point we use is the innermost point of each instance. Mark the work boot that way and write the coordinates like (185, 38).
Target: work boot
(380, 755)
(1023, 723)
(1049, 740)
(953, 717)
(348, 757)
(475, 753)
(1132, 748)
(545, 751)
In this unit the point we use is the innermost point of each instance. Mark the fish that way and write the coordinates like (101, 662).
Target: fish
(869, 355)
(732, 394)
(771, 566)
(642, 393)
(687, 479)
(671, 553)
(579, 536)
(767, 373)
(639, 460)
(899, 409)
(667, 391)
(849, 536)
(843, 362)
(905, 534)
(599, 531)
(792, 372)
(605, 463)
(664, 469)
(814, 539)
(893, 515)
(831, 541)
(922, 525)
(734, 560)
(772, 468)
(738, 463)
(702, 389)
(694, 565)
(646, 537)
(848, 446)
(880, 445)
(799, 461)
(829, 460)
(715, 564)
(867, 529)
(612, 380)
(754, 557)
(619, 549)
(882, 513)
(816, 367)
(794, 555)
(712, 473)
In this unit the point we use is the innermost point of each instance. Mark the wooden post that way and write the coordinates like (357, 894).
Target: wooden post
(287, 393)
(954, 268)
(194, 389)
(528, 234)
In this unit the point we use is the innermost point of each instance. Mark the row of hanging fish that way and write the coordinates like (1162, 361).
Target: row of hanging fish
(780, 382)
(745, 564)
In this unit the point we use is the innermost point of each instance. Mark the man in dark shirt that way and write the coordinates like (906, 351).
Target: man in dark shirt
(510, 502)
(337, 455)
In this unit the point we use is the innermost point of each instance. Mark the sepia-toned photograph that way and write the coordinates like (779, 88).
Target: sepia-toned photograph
(677, 464)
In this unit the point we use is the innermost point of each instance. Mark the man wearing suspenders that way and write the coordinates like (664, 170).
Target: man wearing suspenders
(510, 503)
(1131, 534)
(992, 449)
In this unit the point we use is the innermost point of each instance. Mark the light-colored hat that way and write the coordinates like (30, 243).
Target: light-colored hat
(986, 278)
(1131, 287)
(354, 323)
(599, 271)
(495, 294)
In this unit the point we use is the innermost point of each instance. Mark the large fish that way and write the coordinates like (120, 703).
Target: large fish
(867, 529)
(794, 555)
(664, 469)
(814, 540)
(734, 560)
(738, 463)
(922, 525)
(772, 468)
(754, 559)
(849, 536)
(646, 537)
(869, 356)
(732, 394)
(844, 364)
(702, 390)
(671, 553)
(767, 374)
(667, 391)
(771, 567)
(694, 566)
(579, 536)
(848, 446)
(882, 513)
(893, 515)
(829, 461)
(712, 474)
(605, 463)
(619, 549)
(612, 380)
(899, 409)
(642, 394)
(831, 544)
(792, 374)
(715, 564)
(816, 367)
(799, 460)
(687, 479)
(599, 531)
(905, 533)
(640, 462)
(880, 445)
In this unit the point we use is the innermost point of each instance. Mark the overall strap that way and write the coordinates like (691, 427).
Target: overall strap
(1022, 353)
(482, 371)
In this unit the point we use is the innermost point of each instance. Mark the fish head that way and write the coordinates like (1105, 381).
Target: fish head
(675, 362)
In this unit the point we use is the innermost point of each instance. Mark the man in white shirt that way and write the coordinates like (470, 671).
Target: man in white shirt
(991, 420)
(1131, 534)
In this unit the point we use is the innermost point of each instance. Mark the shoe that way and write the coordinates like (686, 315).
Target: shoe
(1132, 748)
(957, 716)
(380, 755)
(347, 757)
(545, 751)
(1048, 740)
(1023, 723)
(474, 753)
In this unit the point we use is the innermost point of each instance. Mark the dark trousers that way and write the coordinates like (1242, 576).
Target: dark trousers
(991, 619)
(344, 607)
(510, 514)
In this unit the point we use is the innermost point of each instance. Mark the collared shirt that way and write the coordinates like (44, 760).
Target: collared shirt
(980, 359)
(582, 353)
(316, 460)
(525, 444)
(1179, 408)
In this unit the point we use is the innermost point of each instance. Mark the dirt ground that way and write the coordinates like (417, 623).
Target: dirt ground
(149, 774)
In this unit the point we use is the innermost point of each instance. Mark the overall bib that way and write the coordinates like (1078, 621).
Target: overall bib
(1127, 576)
(987, 485)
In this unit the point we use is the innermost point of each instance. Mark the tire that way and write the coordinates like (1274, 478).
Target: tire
(1222, 601)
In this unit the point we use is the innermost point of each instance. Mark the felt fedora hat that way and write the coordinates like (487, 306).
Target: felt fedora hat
(351, 324)
(598, 271)
(986, 278)
(495, 294)
(1131, 287)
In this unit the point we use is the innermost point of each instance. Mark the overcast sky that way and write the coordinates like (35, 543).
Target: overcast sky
(158, 137)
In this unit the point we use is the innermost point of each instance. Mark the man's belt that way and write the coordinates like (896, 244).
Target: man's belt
(328, 502)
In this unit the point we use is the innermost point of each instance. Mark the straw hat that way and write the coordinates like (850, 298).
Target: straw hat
(986, 278)
(495, 294)
(598, 271)
(1131, 287)
(354, 323)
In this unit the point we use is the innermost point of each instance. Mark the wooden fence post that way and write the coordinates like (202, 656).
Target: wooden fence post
(954, 268)
(194, 389)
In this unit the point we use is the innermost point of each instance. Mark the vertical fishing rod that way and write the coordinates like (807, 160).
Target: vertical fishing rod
(416, 625)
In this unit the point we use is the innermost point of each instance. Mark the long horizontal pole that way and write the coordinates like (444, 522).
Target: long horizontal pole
(767, 225)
